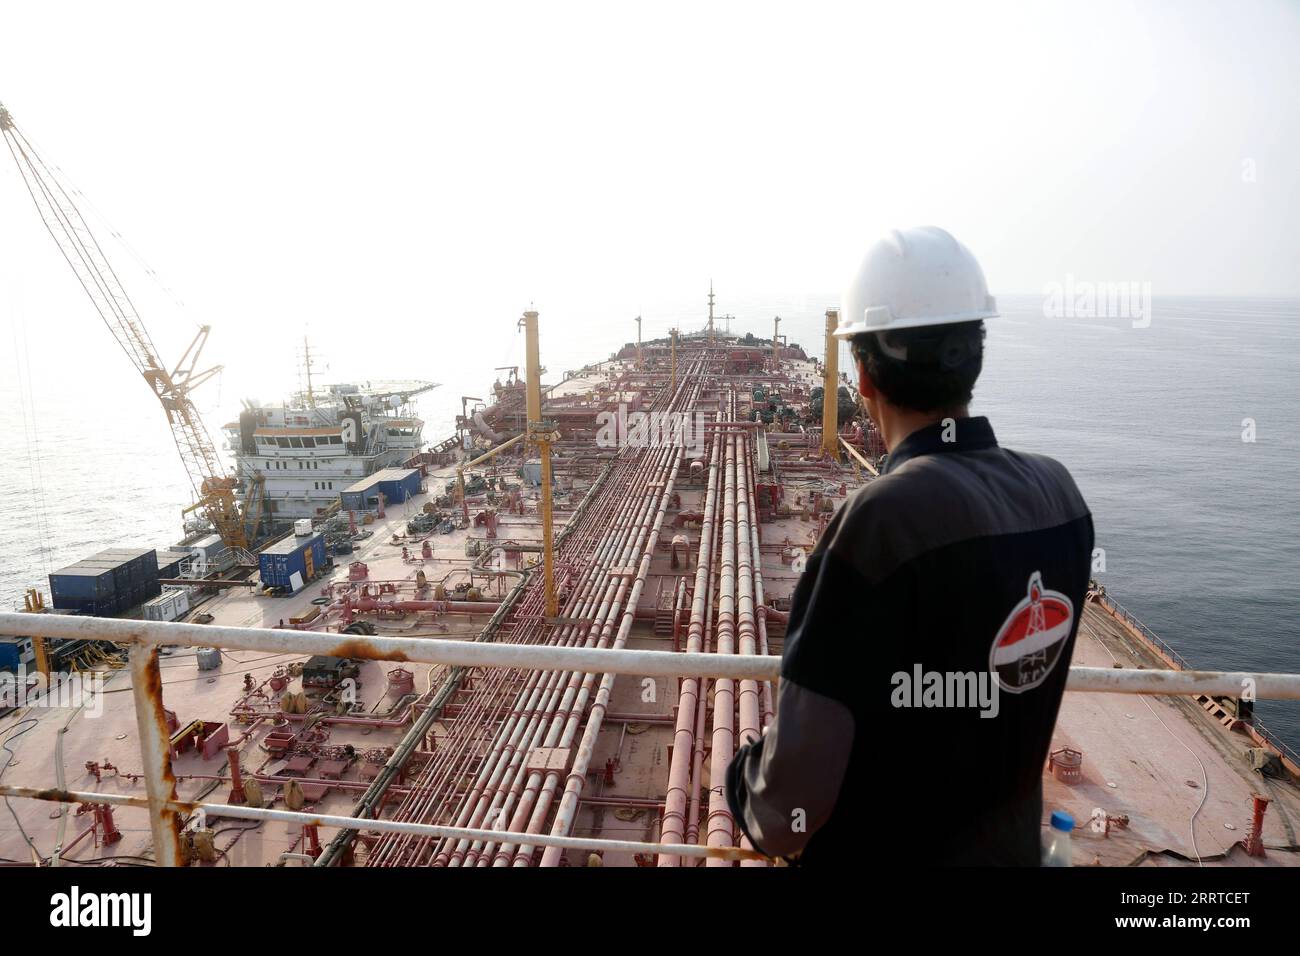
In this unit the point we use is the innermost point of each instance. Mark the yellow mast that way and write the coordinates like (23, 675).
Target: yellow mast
(831, 389)
(541, 435)
(34, 603)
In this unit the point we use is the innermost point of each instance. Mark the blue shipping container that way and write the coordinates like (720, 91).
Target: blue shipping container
(107, 582)
(279, 562)
(92, 607)
(141, 564)
(139, 593)
(80, 582)
(352, 500)
(400, 484)
(397, 485)
(121, 573)
(169, 569)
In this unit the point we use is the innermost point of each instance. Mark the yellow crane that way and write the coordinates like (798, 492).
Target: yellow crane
(214, 492)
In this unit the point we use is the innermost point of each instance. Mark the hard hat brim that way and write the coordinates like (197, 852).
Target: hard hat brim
(847, 331)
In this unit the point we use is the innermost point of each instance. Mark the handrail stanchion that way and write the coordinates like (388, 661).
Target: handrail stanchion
(155, 753)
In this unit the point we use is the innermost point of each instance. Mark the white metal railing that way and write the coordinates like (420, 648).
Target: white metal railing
(145, 637)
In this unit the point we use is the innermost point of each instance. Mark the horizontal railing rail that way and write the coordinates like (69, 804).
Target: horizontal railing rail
(1123, 612)
(143, 638)
(236, 812)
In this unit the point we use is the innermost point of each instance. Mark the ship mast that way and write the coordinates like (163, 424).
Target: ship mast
(306, 364)
(831, 389)
(710, 311)
(542, 434)
(674, 361)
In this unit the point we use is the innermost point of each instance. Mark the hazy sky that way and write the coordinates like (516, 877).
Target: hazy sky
(363, 167)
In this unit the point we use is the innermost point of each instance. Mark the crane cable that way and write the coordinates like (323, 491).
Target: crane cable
(31, 435)
(96, 274)
(35, 170)
(103, 220)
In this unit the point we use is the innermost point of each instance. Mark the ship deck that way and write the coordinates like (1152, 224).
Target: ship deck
(1159, 761)
(1178, 774)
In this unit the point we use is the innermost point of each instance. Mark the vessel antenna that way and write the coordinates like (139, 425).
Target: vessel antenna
(710, 311)
(306, 362)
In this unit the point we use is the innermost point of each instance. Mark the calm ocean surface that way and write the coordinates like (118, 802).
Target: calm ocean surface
(1198, 526)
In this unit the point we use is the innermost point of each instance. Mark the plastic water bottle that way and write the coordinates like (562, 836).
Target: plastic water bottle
(1056, 849)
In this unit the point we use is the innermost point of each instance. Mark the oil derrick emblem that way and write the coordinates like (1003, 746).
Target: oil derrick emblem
(1029, 642)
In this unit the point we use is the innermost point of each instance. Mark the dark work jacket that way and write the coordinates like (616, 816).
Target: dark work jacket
(928, 647)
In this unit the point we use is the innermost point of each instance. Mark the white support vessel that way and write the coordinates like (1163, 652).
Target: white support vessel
(303, 452)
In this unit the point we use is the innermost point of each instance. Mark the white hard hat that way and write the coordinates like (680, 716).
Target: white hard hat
(914, 278)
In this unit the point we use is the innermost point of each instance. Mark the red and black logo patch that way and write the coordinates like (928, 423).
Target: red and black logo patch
(1029, 642)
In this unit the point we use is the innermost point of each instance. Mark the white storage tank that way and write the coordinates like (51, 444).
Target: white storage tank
(168, 606)
(302, 527)
(207, 547)
(208, 554)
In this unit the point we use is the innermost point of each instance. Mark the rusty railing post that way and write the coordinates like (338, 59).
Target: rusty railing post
(155, 753)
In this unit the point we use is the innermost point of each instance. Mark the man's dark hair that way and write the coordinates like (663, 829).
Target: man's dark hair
(926, 369)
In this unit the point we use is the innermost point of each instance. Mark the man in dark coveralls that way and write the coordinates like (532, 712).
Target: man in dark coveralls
(931, 632)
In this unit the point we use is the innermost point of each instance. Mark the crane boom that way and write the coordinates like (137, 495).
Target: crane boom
(214, 492)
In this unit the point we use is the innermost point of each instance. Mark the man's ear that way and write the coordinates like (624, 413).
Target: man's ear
(866, 388)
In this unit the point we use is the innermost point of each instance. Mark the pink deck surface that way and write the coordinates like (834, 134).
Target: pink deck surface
(1166, 757)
